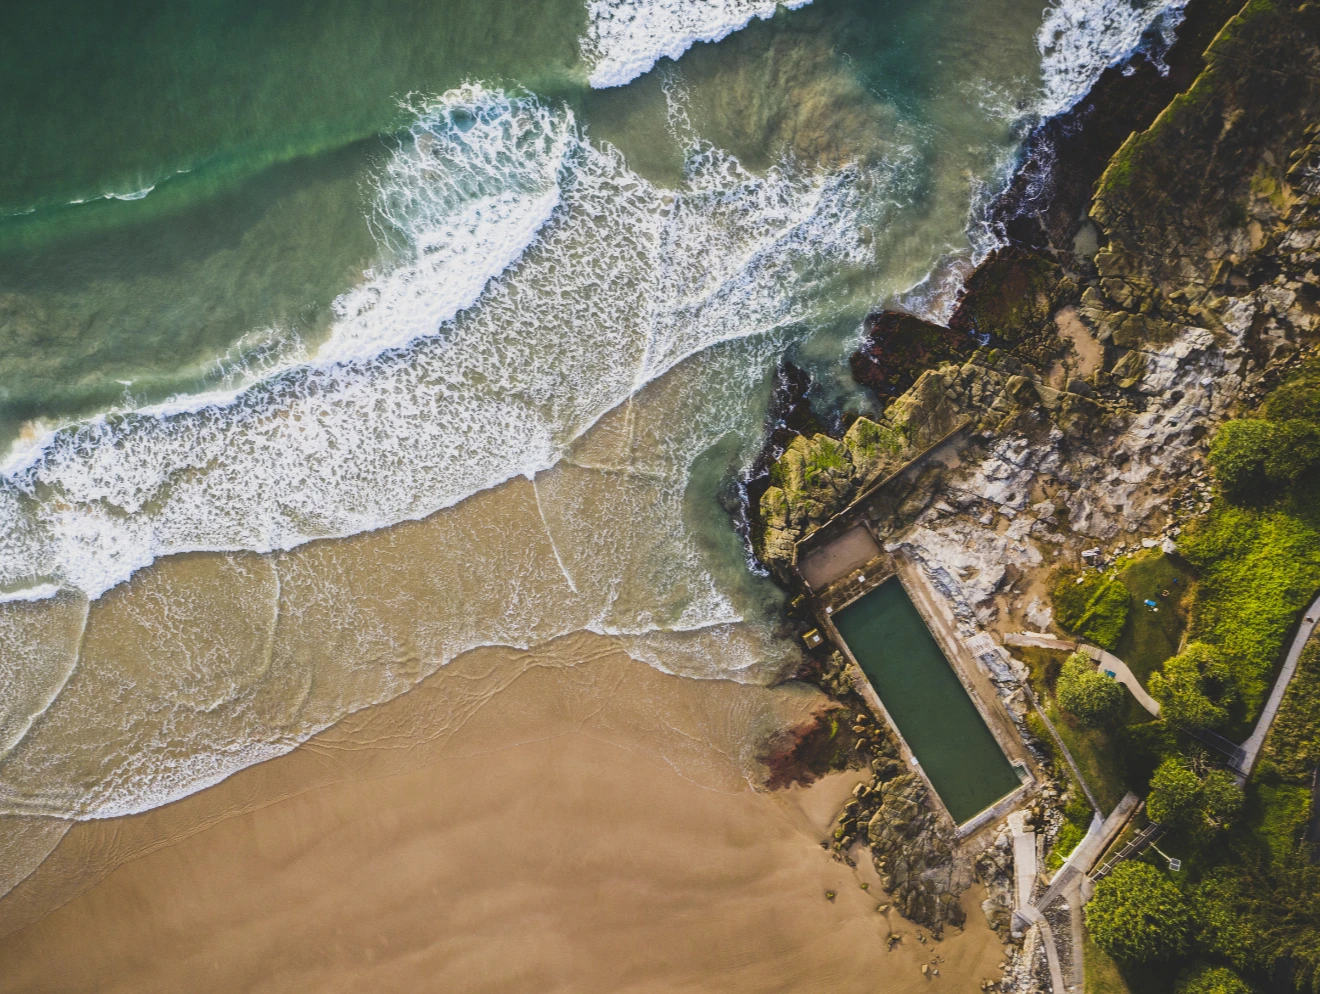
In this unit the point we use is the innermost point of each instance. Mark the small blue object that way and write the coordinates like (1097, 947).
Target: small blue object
(1151, 604)
(1110, 674)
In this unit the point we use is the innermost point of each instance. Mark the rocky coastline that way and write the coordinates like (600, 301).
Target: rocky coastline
(1159, 269)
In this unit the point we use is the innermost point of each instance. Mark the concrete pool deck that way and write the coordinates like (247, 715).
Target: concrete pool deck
(973, 675)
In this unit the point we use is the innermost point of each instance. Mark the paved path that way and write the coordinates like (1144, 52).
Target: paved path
(1107, 660)
(1251, 747)
(1024, 857)
(1034, 916)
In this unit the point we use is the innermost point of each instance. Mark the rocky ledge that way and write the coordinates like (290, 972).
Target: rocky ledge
(1084, 367)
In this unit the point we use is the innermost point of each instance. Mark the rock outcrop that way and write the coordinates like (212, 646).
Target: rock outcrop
(910, 841)
(913, 853)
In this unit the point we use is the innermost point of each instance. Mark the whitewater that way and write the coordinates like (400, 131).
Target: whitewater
(539, 311)
(472, 191)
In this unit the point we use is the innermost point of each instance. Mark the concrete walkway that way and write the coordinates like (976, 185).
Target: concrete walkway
(1107, 660)
(1251, 748)
(1034, 916)
(1024, 857)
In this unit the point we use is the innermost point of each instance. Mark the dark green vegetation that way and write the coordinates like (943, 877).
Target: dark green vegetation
(1246, 905)
(926, 700)
(1087, 694)
(1092, 606)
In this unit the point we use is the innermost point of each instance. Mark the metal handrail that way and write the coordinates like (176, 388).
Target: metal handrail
(1134, 847)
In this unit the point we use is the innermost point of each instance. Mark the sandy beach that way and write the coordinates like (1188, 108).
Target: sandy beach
(589, 827)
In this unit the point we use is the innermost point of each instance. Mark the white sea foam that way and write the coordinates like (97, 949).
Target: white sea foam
(132, 195)
(1080, 39)
(622, 281)
(462, 198)
(627, 37)
(40, 592)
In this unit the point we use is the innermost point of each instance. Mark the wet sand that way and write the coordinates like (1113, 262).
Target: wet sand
(589, 826)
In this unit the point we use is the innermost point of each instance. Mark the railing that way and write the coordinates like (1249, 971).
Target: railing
(1234, 753)
(1135, 846)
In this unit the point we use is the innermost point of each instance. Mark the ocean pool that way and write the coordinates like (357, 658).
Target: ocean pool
(925, 698)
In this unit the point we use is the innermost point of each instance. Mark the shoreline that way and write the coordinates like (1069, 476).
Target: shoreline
(781, 823)
(462, 864)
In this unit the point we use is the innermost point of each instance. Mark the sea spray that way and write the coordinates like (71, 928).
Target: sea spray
(622, 281)
(1080, 39)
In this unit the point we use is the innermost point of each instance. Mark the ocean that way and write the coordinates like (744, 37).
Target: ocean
(340, 339)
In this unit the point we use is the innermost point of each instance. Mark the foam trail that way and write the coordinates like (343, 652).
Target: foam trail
(418, 400)
(465, 194)
(627, 37)
(1080, 39)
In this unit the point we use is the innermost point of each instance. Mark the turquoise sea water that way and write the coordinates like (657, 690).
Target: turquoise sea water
(282, 272)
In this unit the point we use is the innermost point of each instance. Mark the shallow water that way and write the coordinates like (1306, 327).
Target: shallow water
(418, 342)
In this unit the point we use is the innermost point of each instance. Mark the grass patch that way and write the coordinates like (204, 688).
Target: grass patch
(1151, 637)
(1103, 975)
(1259, 568)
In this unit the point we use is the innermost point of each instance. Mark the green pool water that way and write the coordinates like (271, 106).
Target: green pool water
(926, 700)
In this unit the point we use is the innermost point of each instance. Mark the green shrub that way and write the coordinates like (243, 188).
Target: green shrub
(1212, 980)
(1088, 695)
(1092, 606)
(1138, 915)
(1193, 687)
(1182, 799)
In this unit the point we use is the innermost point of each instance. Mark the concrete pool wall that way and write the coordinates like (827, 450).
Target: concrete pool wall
(966, 748)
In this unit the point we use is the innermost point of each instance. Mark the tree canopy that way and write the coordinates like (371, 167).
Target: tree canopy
(1138, 915)
(1181, 798)
(1088, 695)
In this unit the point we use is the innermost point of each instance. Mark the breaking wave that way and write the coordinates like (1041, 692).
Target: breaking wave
(537, 283)
(1080, 39)
(627, 37)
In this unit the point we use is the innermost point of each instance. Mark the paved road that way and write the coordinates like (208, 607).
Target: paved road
(1252, 746)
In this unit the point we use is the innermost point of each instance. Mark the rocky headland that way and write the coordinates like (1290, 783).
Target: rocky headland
(1159, 270)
